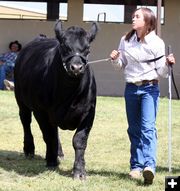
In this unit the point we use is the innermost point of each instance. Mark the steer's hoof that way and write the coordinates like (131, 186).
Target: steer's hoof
(52, 164)
(79, 176)
(29, 155)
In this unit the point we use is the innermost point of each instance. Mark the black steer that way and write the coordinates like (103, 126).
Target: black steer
(54, 81)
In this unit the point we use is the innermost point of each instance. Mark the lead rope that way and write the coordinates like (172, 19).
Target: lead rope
(141, 61)
(102, 60)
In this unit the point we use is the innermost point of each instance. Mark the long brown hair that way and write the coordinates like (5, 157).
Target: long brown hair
(150, 22)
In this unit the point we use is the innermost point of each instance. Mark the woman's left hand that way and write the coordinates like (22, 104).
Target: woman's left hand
(170, 60)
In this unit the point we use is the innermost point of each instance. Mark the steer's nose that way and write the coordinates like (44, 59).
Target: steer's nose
(76, 68)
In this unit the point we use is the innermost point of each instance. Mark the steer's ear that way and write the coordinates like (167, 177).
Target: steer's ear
(58, 30)
(93, 31)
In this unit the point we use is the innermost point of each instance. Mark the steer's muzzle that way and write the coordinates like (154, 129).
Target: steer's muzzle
(75, 64)
(77, 68)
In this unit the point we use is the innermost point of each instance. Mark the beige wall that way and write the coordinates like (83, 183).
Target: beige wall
(109, 80)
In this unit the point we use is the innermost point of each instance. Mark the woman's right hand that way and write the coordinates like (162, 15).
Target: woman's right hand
(114, 54)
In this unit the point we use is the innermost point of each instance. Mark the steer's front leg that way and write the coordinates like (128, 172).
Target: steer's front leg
(79, 144)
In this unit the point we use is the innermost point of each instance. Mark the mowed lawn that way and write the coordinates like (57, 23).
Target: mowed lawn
(107, 154)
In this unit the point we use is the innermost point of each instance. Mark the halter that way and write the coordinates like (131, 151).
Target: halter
(76, 54)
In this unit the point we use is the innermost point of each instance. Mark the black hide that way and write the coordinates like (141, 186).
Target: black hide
(54, 81)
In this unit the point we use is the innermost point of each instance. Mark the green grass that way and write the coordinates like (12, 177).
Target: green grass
(107, 154)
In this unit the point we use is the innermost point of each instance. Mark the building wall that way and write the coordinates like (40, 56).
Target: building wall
(110, 81)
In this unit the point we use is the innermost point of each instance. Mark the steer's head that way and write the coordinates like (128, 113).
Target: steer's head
(75, 47)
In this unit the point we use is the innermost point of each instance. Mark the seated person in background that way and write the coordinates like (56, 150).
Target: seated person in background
(7, 63)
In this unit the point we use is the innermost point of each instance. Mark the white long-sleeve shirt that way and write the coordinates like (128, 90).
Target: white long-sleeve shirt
(132, 53)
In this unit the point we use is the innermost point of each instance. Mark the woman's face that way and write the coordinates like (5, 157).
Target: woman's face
(138, 22)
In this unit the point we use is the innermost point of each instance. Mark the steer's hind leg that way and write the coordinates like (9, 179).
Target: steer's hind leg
(50, 136)
(25, 116)
(60, 150)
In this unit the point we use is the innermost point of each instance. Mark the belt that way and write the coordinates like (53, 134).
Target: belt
(145, 82)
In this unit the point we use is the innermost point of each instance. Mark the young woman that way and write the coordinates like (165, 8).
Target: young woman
(141, 54)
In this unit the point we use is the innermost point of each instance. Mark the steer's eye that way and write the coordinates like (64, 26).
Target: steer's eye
(66, 50)
(86, 52)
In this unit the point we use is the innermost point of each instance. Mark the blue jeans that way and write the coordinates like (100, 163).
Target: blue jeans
(4, 70)
(141, 109)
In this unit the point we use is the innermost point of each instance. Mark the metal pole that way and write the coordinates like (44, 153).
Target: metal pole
(170, 115)
(159, 3)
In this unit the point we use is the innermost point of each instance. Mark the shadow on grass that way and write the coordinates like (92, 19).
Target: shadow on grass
(109, 173)
(162, 169)
(17, 162)
(125, 176)
(115, 175)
